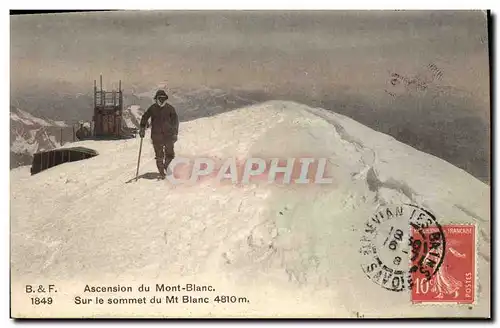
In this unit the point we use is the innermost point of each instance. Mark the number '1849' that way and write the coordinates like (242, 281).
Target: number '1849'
(41, 300)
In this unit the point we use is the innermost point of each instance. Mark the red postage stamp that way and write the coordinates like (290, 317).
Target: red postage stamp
(454, 282)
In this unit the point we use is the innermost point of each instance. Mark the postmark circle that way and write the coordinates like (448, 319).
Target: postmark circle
(399, 240)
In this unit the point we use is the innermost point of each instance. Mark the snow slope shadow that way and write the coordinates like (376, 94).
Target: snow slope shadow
(147, 175)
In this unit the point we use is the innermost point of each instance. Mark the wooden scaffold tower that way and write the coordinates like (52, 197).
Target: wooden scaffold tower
(108, 111)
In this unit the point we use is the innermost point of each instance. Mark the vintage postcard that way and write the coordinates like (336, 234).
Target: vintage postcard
(250, 164)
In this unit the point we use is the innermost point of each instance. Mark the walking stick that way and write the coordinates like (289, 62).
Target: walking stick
(138, 161)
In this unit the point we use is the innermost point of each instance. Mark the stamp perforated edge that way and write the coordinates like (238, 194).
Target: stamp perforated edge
(476, 277)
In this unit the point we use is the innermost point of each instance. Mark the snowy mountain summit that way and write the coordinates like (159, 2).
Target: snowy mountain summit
(289, 250)
(31, 134)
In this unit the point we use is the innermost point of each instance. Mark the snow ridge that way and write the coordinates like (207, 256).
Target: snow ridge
(298, 241)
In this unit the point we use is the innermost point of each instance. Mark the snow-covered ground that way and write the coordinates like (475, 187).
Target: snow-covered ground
(292, 250)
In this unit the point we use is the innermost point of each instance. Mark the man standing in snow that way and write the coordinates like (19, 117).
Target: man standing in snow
(164, 129)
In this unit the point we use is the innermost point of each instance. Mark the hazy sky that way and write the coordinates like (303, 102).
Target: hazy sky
(247, 49)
